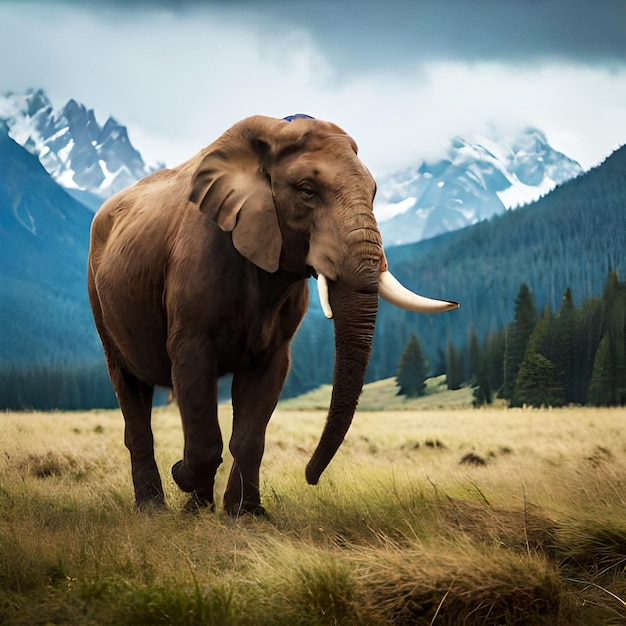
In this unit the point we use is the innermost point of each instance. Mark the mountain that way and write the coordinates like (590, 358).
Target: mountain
(49, 348)
(476, 180)
(93, 162)
(572, 237)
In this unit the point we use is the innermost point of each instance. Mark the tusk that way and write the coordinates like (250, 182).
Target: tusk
(322, 290)
(391, 290)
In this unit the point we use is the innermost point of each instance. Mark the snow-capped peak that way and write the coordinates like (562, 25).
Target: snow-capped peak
(481, 175)
(70, 143)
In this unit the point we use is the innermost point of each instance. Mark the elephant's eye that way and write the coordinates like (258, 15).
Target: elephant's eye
(307, 193)
(305, 189)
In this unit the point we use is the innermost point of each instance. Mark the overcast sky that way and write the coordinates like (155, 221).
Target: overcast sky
(401, 76)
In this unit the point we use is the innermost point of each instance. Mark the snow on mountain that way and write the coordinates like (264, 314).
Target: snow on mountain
(76, 151)
(478, 178)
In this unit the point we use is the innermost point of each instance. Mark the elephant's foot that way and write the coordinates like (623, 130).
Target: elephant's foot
(148, 492)
(197, 503)
(195, 483)
(249, 506)
(256, 510)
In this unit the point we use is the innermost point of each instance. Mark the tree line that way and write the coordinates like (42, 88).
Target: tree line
(575, 355)
(56, 385)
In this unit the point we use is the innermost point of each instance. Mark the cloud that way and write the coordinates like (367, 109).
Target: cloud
(408, 117)
(179, 73)
(171, 75)
(372, 33)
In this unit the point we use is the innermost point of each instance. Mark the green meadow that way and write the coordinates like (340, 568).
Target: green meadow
(431, 513)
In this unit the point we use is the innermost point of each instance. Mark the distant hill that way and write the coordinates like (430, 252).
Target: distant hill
(572, 237)
(382, 395)
(45, 321)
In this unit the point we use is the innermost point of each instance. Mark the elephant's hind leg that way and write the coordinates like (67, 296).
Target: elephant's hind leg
(135, 398)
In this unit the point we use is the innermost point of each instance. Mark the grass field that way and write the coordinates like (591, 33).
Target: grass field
(431, 513)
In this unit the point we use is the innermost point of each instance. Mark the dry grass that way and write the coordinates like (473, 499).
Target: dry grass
(398, 531)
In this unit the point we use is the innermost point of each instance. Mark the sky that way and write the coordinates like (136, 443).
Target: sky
(401, 76)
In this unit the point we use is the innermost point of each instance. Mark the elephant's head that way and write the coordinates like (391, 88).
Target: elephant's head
(296, 196)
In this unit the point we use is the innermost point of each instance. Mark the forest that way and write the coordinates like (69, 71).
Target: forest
(574, 356)
(50, 356)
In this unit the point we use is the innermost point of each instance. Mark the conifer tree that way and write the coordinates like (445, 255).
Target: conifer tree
(474, 354)
(590, 329)
(565, 347)
(490, 371)
(608, 380)
(412, 369)
(517, 338)
(600, 385)
(537, 382)
(483, 390)
(453, 366)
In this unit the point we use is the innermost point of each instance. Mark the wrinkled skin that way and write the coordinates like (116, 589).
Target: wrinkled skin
(202, 270)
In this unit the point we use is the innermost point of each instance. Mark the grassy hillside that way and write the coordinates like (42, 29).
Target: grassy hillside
(447, 517)
(382, 395)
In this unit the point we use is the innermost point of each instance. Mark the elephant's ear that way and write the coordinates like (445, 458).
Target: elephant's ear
(231, 186)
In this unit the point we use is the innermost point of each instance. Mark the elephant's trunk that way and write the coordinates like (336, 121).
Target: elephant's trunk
(354, 314)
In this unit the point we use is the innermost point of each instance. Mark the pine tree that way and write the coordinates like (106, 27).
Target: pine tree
(412, 369)
(565, 346)
(538, 382)
(490, 371)
(600, 385)
(608, 380)
(483, 390)
(453, 366)
(591, 324)
(517, 338)
(474, 354)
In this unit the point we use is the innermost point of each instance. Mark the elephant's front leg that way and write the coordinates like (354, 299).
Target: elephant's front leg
(255, 392)
(194, 377)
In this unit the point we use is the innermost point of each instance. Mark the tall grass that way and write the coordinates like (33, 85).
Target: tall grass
(399, 531)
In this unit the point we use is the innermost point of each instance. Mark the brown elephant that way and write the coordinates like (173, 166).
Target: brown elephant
(201, 270)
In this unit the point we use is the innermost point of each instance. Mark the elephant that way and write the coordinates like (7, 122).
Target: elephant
(202, 270)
